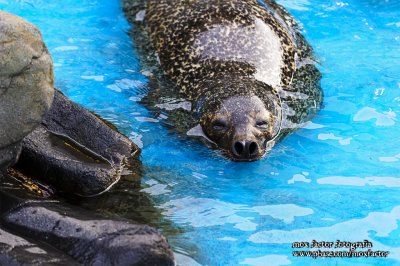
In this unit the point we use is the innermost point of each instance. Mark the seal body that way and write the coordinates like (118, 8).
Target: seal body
(243, 65)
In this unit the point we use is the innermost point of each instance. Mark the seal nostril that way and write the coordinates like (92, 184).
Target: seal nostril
(238, 148)
(253, 148)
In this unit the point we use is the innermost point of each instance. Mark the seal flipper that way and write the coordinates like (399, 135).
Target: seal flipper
(197, 131)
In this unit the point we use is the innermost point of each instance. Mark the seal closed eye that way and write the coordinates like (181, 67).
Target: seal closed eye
(245, 68)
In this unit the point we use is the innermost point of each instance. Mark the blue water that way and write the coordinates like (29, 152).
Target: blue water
(337, 178)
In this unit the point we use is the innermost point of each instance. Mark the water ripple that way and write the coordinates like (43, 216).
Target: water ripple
(375, 225)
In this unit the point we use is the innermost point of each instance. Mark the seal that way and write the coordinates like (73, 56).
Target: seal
(248, 73)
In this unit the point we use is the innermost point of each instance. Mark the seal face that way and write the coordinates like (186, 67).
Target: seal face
(241, 126)
(245, 68)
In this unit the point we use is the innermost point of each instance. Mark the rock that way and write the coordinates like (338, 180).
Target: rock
(75, 151)
(86, 237)
(9, 155)
(26, 83)
(68, 118)
(71, 149)
(15, 250)
(62, 163)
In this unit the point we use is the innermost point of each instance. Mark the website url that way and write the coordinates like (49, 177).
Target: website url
(342, 254)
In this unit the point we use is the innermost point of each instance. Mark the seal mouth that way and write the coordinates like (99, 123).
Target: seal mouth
(230, 155)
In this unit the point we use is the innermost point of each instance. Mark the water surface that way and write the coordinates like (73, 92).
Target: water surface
(337, 178)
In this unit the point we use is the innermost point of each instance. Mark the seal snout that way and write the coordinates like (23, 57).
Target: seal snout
(245, 149)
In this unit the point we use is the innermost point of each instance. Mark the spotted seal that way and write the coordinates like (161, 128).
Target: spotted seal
(243, 65)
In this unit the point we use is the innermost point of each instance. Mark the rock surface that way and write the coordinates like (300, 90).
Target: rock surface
(15, 250)
(75, 233)
(9, 155)
(76, 152)
(26, 83)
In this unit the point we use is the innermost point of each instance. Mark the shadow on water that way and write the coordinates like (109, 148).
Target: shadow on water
(128, 200)
(125, 200)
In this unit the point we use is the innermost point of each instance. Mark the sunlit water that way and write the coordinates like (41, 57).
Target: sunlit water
(338, 178)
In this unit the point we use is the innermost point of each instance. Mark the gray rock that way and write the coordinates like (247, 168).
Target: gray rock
(68, 118)
(86, 237)
(76, 152)
(9, 155)
(26, 82)
(73, 150)
(64, 164)
(16, 250)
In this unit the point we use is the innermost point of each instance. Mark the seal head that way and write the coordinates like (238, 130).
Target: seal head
(243, 125)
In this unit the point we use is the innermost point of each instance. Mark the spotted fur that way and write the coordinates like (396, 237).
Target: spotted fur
(197, 40)
(214, 49)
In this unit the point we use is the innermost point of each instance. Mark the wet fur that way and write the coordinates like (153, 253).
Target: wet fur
(171, 28)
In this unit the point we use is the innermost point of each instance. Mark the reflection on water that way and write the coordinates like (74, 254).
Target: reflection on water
(336, 178)
(357, 181)
(272, 260)
(382, 224)
(202, 212)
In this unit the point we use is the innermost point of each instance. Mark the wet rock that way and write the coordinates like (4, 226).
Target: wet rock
(86, 237)
(15, 250)
(26, 83)
(67, 166)
(9, 155)
(75, 151)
